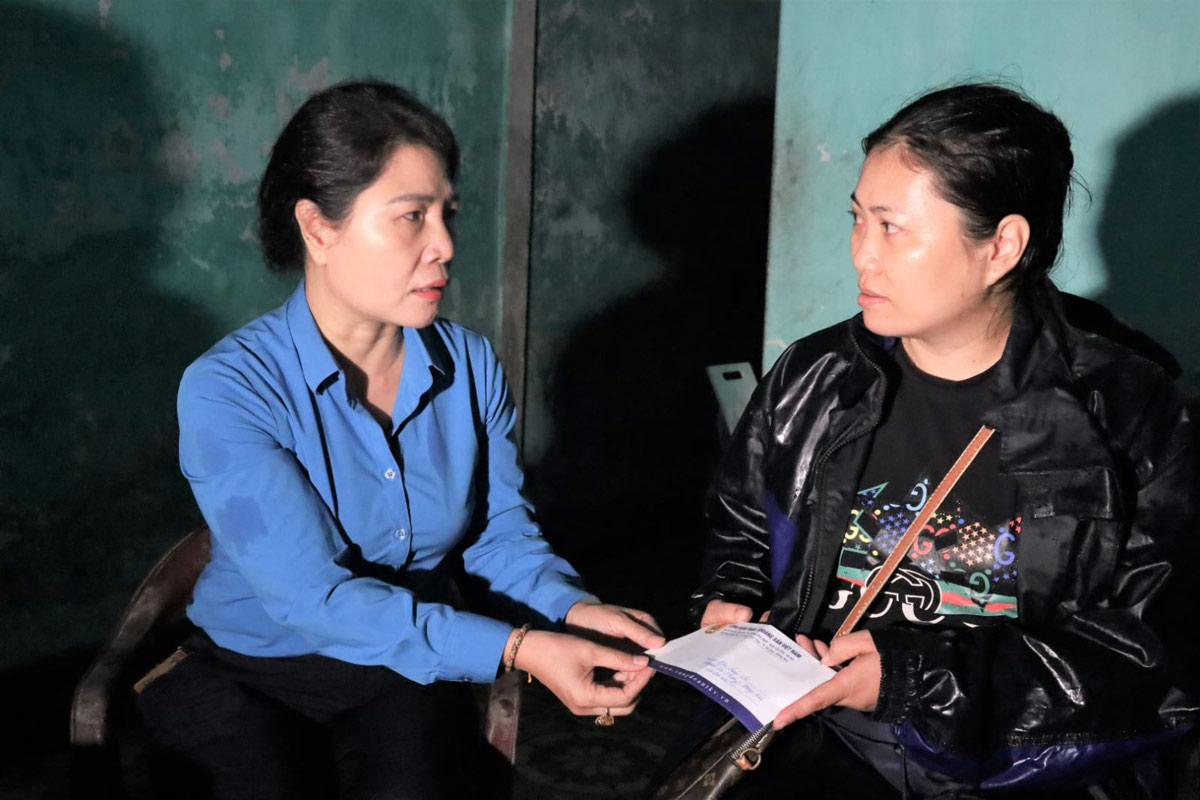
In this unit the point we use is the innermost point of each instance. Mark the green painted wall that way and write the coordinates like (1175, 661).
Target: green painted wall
(1122, 74)
(652, 153)
(134, 132)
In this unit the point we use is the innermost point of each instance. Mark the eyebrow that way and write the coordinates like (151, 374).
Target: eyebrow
(417, 197)
(875, 209)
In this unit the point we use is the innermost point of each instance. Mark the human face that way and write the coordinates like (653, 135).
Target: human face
(919, 276)
(387, 261)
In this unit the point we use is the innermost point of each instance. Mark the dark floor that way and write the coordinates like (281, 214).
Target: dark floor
(563, 756)
(558, 755)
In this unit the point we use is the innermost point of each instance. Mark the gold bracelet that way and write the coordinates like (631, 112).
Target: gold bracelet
(511, 659)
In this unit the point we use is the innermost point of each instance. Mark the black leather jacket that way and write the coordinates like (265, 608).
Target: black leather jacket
(1102, 657)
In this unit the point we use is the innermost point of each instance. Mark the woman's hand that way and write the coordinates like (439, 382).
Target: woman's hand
(566, 665)
(855, 686)
(814, 647)
(720, 612)
(616, 622)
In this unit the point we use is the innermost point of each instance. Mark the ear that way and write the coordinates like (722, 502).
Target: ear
(1007, 246)
(318, 232)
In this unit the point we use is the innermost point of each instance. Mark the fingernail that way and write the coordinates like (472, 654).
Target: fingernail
(641, 661)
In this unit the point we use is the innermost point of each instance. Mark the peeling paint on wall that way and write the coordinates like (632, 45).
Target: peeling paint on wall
(178, 154)
(219, 105)
(233, 172)
(316, 77)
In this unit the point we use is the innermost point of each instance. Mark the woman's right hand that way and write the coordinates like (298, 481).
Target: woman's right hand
(566, 665)
(721, 612)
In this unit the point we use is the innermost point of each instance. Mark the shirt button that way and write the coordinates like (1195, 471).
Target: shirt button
(400, 534)
(390, 474)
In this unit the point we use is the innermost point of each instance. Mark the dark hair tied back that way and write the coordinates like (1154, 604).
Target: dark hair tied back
(336, 145)
(992, 152)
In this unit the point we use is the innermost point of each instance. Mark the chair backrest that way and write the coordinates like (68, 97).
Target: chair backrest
(161, 594)
(732, 384)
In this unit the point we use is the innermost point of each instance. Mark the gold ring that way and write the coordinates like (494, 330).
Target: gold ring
(606, 719)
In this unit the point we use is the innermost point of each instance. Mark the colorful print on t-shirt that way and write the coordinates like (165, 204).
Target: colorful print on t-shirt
(960, 571)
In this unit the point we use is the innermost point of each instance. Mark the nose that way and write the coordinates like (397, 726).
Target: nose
(441, 244)
(862, 251)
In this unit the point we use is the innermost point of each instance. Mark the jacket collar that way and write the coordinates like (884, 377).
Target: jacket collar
(1044, 423)
(1036, 351)
(1035, 403)
(1037, 355)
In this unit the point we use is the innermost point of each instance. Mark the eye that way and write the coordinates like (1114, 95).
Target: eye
(417, 215)
(450, 213)
(854, 217)
(889, 227)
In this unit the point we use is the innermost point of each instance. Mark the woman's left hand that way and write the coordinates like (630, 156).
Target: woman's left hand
(855, 686)
(616, 622)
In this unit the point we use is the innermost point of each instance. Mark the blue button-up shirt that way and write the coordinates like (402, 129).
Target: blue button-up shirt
(329, 532)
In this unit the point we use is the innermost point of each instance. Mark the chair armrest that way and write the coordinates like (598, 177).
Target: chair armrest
(162, 593)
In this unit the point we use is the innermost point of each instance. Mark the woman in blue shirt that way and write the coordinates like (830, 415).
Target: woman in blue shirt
(350, 452)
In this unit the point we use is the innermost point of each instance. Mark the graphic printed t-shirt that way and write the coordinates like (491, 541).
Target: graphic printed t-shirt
(962, 569)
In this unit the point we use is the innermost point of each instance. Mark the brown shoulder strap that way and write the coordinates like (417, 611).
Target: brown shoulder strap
(910, 536)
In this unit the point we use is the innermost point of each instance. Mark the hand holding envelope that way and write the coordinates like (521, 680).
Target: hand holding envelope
(854, 686)
(751, 669)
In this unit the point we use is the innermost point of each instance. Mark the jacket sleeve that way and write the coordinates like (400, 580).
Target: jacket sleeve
(509, 553)
(735, 566)
(1097, 683)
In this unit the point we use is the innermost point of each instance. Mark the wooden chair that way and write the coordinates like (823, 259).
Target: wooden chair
(155, 604)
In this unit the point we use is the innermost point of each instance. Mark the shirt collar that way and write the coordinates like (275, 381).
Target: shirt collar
(432, 347)
(417, 364)
(423, 348)
(425, 371)
(316, 362)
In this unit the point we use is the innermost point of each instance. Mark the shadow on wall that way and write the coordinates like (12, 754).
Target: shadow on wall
(635, 423)
(90, 350)
(1148, 234)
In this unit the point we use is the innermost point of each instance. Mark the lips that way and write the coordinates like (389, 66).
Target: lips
(867, 299)
(431, 291)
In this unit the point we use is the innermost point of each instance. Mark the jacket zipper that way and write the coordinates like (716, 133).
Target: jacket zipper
(820, 467)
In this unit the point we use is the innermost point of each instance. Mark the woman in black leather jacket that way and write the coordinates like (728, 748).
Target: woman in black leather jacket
(1036, 635)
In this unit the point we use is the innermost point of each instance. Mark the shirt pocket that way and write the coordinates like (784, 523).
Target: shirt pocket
(1071, 532)
(1085, 493)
